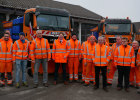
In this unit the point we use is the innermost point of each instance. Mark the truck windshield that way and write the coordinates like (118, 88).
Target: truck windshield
(51, 22)
(118, 28)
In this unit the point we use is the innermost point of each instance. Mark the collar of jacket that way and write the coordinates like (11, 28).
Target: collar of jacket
(62, 40)
(22, 42)
(39, 38)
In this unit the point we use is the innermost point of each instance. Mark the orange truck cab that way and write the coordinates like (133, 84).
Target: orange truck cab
(111, 28)
(51, 21)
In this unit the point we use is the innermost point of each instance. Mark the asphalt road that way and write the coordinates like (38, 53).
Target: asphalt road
(73, 91)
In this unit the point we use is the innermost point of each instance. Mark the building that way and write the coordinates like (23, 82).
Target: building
(84, 20)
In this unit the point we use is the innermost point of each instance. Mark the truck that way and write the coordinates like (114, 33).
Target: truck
(51, 21)
(111, 28)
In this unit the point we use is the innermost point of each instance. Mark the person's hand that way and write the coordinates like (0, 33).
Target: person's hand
(49, 59)
(116, 66)
(33, 61)
(79, 59)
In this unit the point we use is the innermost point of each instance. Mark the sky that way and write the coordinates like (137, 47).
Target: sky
(111, 8)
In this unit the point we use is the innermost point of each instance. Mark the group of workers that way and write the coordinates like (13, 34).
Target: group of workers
(97, 58)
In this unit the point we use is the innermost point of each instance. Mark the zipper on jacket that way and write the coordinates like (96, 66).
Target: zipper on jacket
(6, 51)
(100, 56)
(74, 48)
(41, 48)
(123, 56)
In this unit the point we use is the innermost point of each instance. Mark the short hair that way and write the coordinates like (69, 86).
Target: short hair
(61, 33)
(100, 37)
(119, 36)
(125, 38)
(38, 31)
(136, 41)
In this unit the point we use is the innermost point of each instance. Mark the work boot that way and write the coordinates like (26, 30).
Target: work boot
(137, 87)
(86, 84)
(138, 91)
(65, 83)
(95, 87)
(2, 85)
(82, 82)
(17, 85)
(45, 84)
(77, 81)
(105, 89)
(127, 89)
(25, 84)
(70, 81)
(35, 85)
(109, 84)
(119, 88)
(11, 85)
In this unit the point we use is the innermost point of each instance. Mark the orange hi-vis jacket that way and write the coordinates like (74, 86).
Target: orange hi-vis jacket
(74, 48)
(21, 50)
(40, 49)
(101, 55)
(83, 48)
(89, 52)
(59, 51)
(124, 56)
(6, 51)
(106, 43)
(138, 57)
(114, 47)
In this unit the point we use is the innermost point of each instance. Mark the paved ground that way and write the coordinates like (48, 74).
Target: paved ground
(73, 91)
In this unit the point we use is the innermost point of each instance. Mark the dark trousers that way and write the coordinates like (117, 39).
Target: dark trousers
(56, 71)
(123, 72)
(97, 73)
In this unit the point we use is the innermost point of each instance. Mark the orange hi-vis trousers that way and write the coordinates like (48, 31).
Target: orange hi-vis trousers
(135, 73)
(90, 72)
(8, 67)
(83, 71)
(73, 64)
(110, 75)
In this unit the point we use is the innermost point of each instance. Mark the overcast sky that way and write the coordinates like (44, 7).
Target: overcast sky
(111, 8)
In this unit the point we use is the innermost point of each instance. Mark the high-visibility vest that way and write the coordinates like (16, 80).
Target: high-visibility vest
(40, 49)
(138, 57)
(89, 52)
(21, 50)
(6, 51)
(59, 51)
(124, 56)
(101, 55)
(74, 48)
(83, 48)
(114, 47)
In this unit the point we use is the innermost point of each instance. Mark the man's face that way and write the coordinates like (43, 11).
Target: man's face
(100, 40)
(92, 40)
(118, 40)
(135, 44)
(22, 37)
(124, 42)
(74, 37)
(39, 34)
(7, 31)
(88, 38)
(6, 37)
(61, 36)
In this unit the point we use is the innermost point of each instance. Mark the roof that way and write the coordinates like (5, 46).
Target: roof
(75, 10)
(136, 27)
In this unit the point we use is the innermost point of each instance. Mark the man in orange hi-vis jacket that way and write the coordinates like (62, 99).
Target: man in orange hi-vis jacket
(60, 54)
(6, 58)
(124, 59)
(20, 56)
(90, 70)
(101, 57)
(83, 53)
(113, 68)
(135, 72)
(74, 57)
(40, 53)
